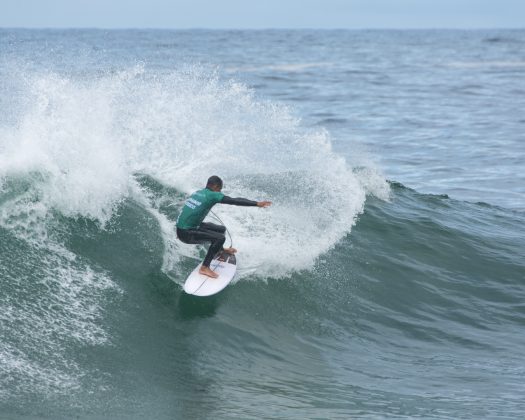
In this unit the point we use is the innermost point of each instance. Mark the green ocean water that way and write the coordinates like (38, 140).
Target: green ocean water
(416, 313)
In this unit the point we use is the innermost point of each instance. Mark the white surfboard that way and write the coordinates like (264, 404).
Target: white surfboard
(224, 265)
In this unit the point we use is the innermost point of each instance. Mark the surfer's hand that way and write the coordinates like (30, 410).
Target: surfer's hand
(264, 203)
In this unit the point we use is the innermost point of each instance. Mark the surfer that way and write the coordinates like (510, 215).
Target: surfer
(192, 230)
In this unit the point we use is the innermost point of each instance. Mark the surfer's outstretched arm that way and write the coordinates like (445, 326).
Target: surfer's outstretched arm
(244, 202)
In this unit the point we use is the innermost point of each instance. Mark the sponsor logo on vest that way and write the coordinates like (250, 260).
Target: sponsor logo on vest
(192, 203)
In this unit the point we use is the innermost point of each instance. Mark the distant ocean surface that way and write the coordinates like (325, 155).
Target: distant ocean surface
(386, 281)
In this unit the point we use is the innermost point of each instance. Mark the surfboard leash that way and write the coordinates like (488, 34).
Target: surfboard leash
(222, 223)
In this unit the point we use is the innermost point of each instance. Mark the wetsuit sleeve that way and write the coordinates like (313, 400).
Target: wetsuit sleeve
(238, 201)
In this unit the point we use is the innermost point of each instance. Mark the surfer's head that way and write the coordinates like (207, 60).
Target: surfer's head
(214, 183)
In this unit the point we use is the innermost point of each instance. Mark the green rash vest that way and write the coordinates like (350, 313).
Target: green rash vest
(197, 207)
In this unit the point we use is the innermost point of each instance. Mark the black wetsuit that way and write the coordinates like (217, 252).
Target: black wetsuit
(206, 232)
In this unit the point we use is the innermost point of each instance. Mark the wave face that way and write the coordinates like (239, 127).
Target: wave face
(421, 304)
(355, 297)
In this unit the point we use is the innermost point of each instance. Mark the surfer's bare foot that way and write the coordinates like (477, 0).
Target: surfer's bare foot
(206, 271)
(230, 250)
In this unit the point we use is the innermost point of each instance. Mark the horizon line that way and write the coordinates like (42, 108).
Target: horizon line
(199, 28)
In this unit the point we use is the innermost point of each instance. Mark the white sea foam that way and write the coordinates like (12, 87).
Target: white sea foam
(52, 303)
(87, 139)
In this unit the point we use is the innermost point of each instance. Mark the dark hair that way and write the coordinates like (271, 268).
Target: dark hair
(214, 180)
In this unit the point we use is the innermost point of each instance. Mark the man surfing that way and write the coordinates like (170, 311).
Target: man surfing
(192, 230)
